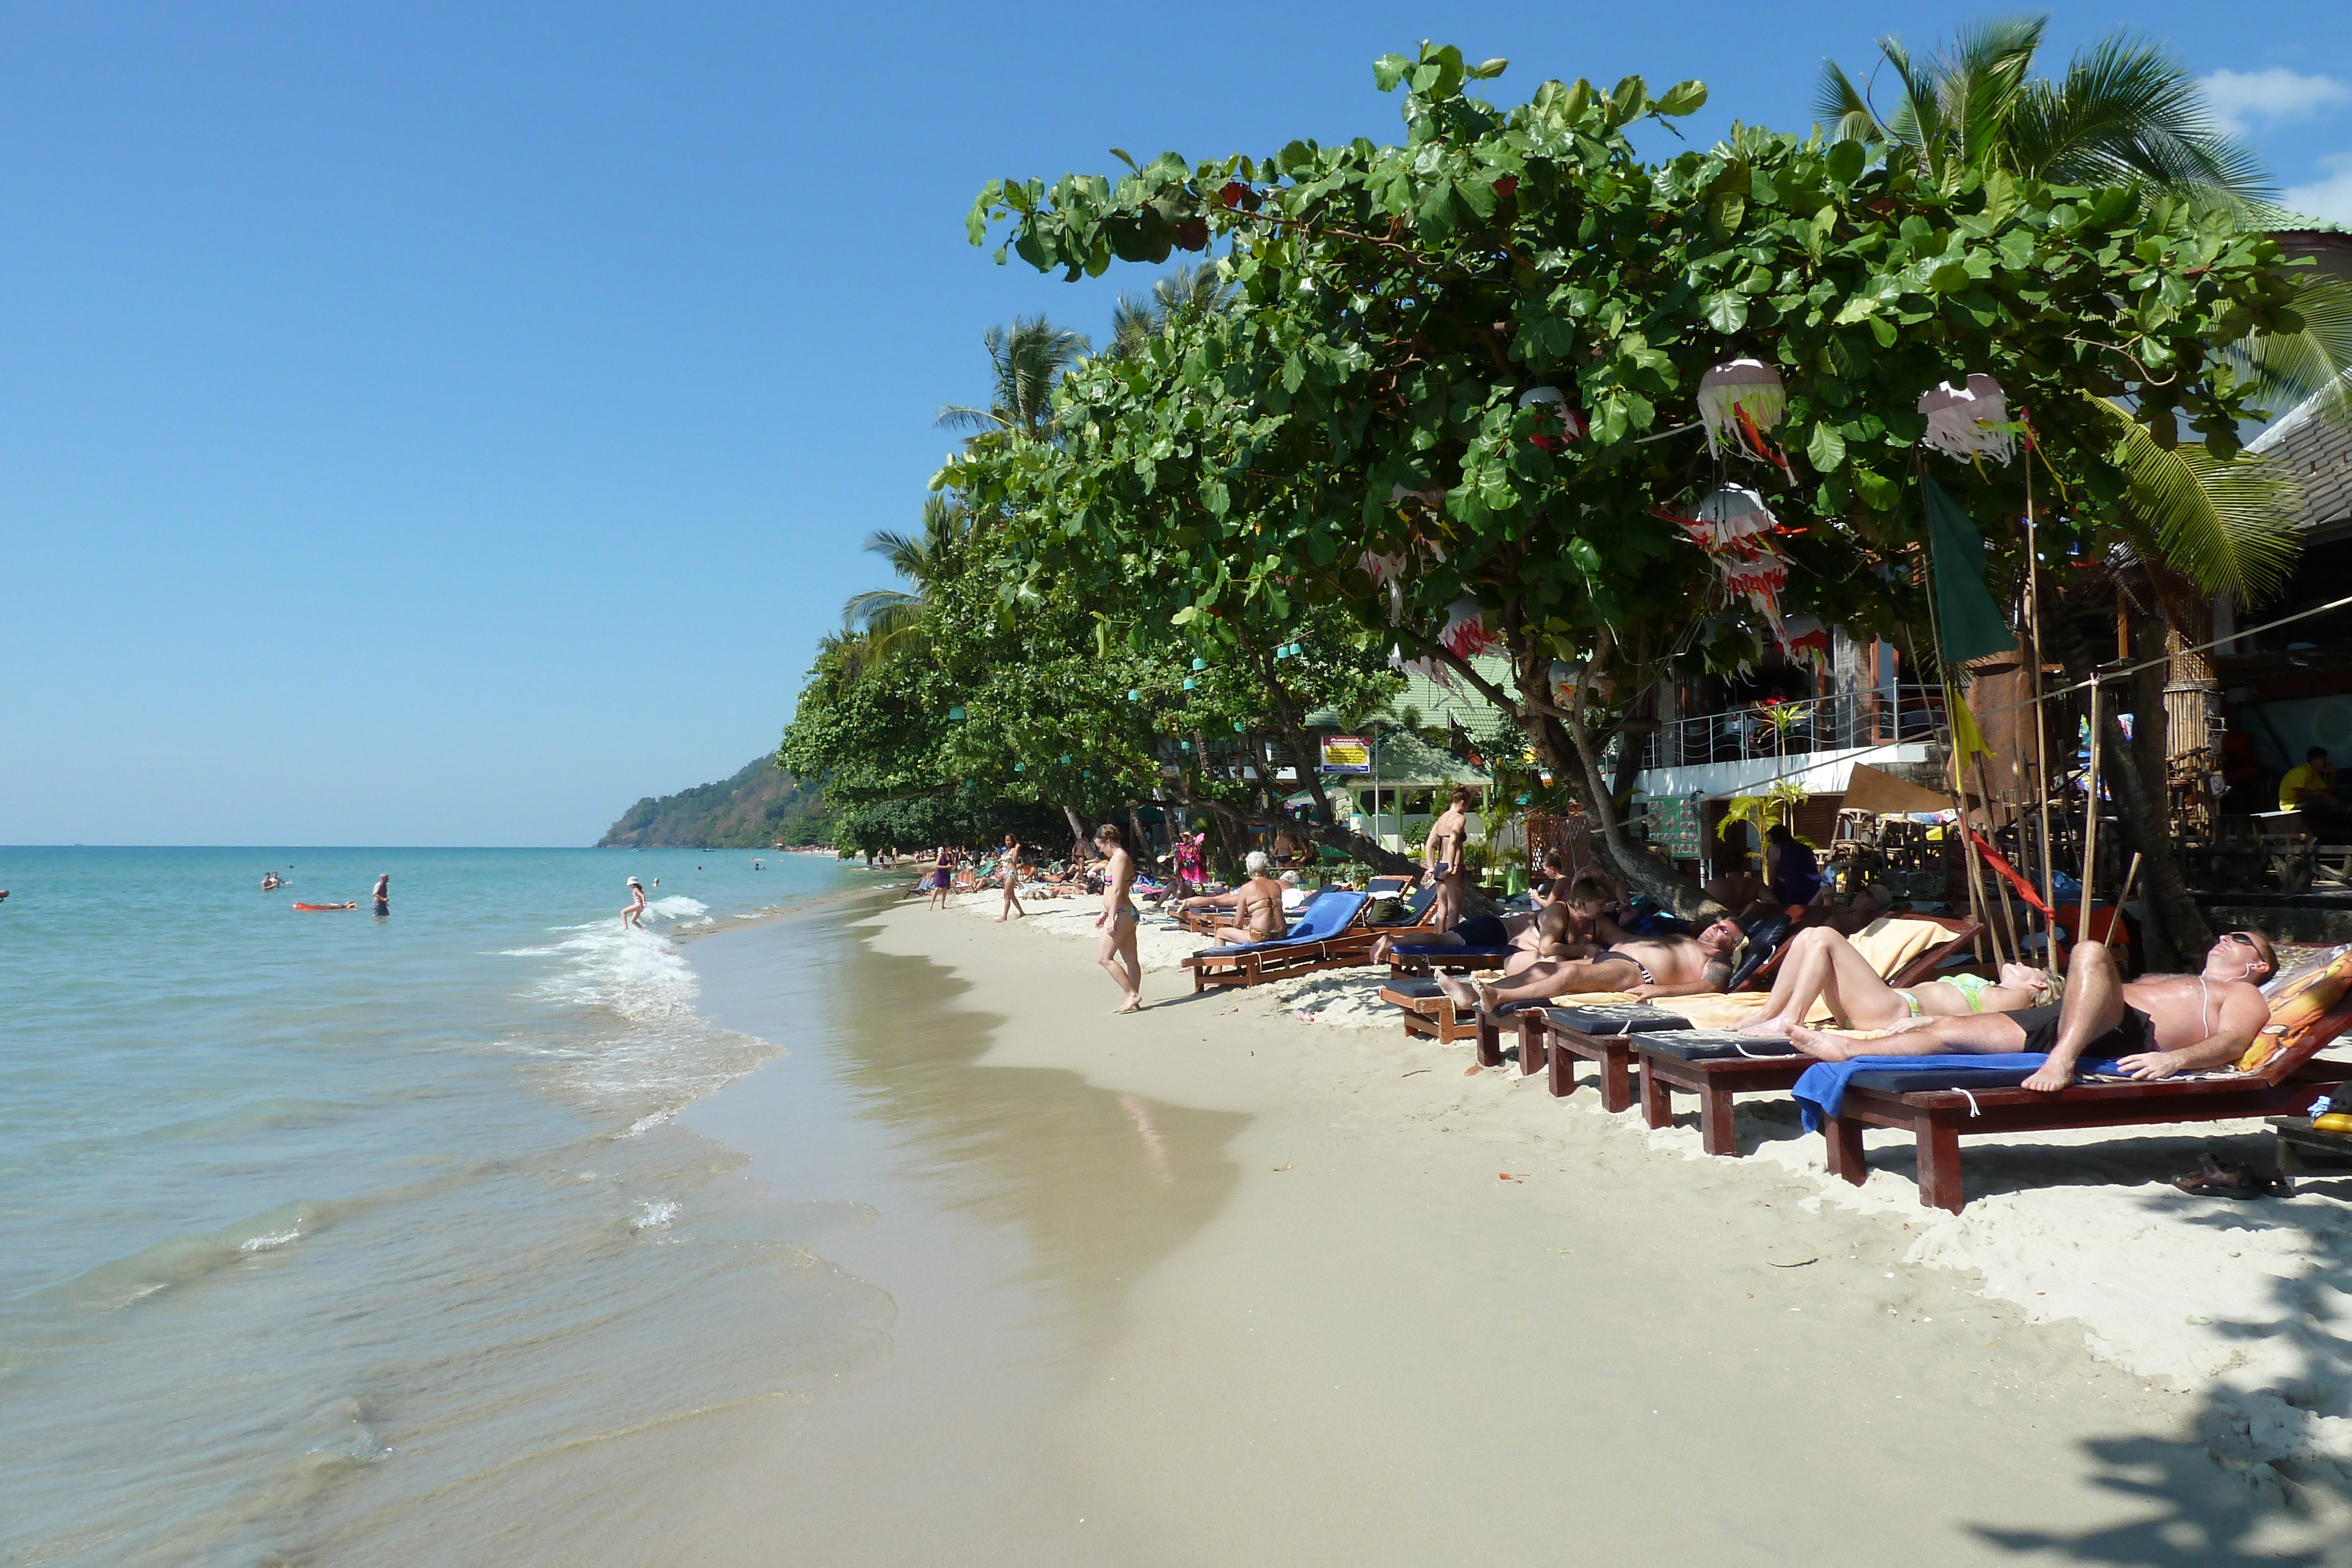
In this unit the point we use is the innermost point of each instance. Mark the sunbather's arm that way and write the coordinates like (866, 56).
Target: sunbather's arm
(2242, 1017)
(1608, 933)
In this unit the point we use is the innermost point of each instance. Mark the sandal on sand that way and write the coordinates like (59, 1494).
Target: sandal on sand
(2217, 1177)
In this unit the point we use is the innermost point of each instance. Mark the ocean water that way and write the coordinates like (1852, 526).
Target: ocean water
(323, 1232)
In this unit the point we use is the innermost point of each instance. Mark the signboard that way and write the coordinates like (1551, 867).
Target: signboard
(1347, 754)
(1674, 828)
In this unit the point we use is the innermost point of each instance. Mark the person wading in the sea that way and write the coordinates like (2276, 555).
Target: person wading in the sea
(634, 914)
(383, 894)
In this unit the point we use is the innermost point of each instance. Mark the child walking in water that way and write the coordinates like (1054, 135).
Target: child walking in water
(1115, 949)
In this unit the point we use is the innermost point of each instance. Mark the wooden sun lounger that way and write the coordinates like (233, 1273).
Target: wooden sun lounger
(1255, 963)
(2285, 1085)
(1714, 1081)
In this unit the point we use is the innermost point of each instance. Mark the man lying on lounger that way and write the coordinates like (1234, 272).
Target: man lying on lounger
(1643, 967)
(2154, 1027)
(1821, 966)
(1563, 928)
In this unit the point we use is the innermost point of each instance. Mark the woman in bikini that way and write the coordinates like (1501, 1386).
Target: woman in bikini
(1009, 869)
(1115, 949)
(1256, 905)
(1823, 966)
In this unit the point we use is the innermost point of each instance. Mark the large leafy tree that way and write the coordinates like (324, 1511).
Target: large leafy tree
(1353, 430)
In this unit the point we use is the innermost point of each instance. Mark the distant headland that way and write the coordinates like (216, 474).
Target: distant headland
(761, 807)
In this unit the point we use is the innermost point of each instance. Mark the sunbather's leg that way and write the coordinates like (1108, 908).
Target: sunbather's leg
(1383, 946)
(1228, 934)
(2094, 1005)
(1822, 966)
(1115, 951)
(1969, 1034)
(1545, 977)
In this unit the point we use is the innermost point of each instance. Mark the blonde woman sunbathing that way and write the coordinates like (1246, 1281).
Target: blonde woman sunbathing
(1821, 966)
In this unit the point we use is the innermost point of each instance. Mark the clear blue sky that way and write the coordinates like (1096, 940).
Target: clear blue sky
(446, 424)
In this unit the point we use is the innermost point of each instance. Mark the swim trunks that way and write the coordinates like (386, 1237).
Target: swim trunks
(382, 907)
(1482, 931)
(1647, 978)
(2136, 1033)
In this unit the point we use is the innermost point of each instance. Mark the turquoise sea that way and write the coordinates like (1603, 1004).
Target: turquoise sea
(320, 1227)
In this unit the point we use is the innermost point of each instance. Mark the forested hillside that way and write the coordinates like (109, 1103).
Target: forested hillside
(762, 805)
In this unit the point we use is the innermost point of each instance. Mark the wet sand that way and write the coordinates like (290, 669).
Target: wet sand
(1205, 1285)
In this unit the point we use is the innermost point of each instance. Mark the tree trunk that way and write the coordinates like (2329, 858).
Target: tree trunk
(2177, 925)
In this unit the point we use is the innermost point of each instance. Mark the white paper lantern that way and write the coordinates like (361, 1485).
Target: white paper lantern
(1551, 404)
(1743, 387)
(1970, 421)
(1466, 635)
(1731, 513)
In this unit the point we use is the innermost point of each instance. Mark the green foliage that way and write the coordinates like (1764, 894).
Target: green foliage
(1356, 409)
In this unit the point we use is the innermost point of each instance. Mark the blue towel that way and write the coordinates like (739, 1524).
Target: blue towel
(1823, 1088)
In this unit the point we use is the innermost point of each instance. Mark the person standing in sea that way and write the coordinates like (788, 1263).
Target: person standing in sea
(634, 914)
(383, 894)
(1115, 949)
(1008, 868)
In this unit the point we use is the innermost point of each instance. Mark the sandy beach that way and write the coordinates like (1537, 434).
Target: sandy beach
(1290, 1287)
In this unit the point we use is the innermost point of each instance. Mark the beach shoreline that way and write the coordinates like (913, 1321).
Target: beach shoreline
(1426, 1311)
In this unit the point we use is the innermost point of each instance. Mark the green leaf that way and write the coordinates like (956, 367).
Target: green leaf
(1626, 98)
(1683, 98)
(1727, 312)
(1487, 70)
(1845, 161)
(1388, 70)
(1826, 450)
(1186, 616)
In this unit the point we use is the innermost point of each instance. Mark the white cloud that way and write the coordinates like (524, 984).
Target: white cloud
(2329, 198)
(2274, 95)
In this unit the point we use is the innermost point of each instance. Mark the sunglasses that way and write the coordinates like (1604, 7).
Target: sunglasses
(2245, 938)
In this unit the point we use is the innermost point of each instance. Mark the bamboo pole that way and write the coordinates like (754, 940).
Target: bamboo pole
(2040, 725)
(2130, 876)
(2090, 815)
(2000, 883)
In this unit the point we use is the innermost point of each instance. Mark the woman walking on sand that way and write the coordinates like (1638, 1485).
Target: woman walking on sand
(1115, 949)
(942, 878)
(634, 914)
(1009, 867)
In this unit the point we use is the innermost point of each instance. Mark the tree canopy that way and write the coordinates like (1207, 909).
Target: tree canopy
(1355, 429)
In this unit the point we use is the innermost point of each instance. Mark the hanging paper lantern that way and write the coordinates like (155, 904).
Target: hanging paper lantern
(1738, 403)
(1433, 500)
(1970, 421)
(1199, 665)
(1551, 406)
(1805, 634)
(1730, 514)
(1427, 669)
(1567, 674)
(1188, 682)
(1464, 634)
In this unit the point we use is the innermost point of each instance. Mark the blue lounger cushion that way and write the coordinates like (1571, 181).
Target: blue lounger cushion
(1713, 1044)
(1325, 916)
(1912, 1080)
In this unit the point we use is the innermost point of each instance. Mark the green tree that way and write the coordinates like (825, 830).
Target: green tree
(1025, 362)
(890, 619)
(1356, 430)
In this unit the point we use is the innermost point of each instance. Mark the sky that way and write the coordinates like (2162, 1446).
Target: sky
(445, 424)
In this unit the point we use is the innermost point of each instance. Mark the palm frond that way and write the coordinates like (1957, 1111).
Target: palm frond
(2288, 368)
(880, 611)
(2227, 527)
(2127, 110)
(1843, 109)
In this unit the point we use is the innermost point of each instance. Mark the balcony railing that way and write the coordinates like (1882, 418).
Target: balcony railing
(1834, 722)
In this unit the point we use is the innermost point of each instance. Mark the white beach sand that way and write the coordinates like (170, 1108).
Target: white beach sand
(2215, 1338)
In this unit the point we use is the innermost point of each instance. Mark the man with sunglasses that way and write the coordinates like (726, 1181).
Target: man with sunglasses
(2154, 1027)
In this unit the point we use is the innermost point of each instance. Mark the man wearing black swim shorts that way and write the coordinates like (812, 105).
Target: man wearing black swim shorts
(2153, 1027)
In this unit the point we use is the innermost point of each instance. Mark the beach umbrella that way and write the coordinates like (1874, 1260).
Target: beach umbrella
(1550, 404)
(1738, 400)
(1969, 421)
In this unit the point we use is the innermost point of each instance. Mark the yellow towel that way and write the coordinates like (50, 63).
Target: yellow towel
(1892, 942)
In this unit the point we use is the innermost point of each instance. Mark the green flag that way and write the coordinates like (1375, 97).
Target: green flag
(1971, 619)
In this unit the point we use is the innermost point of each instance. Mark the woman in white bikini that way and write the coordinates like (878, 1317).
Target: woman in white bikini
(1823, 966)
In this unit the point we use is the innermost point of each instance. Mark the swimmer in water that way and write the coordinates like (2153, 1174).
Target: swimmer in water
(634, 914)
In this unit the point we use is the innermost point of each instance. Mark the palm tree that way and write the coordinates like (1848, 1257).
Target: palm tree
(1189, 293)
(2126, 110)
(890, 620)
(1025, 362)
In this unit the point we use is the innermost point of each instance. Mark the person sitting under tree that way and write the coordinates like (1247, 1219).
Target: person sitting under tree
(2153, 1027)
